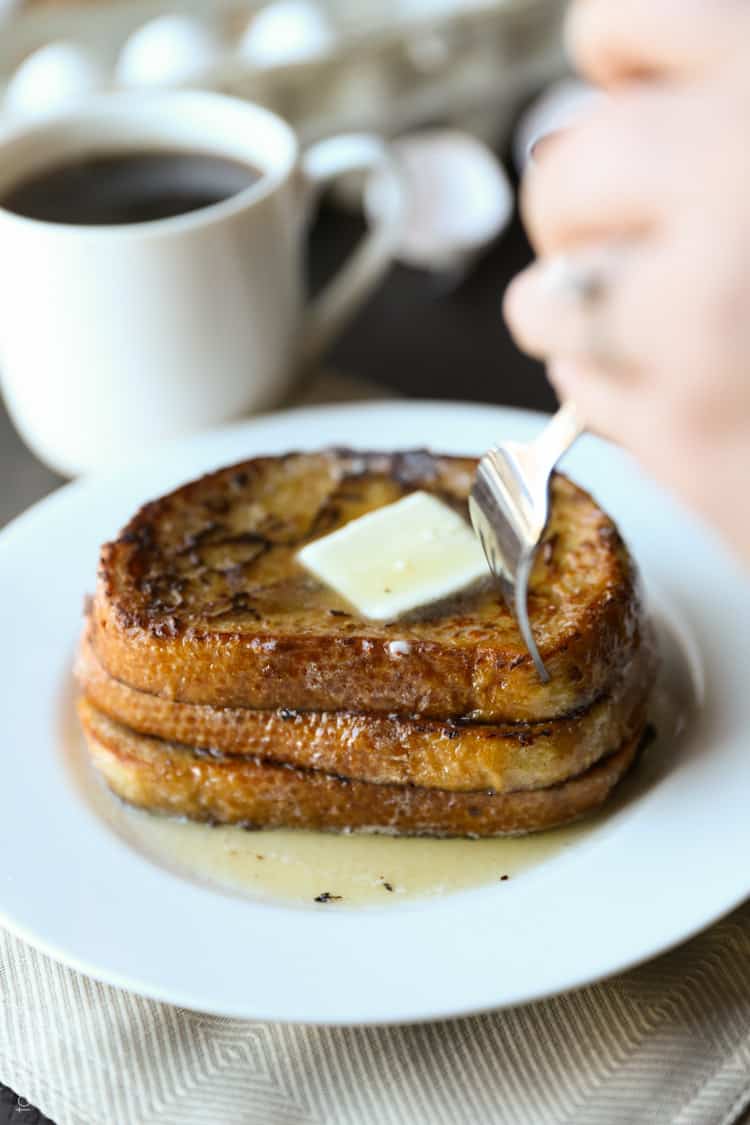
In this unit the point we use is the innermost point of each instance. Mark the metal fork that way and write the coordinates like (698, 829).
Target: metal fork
(509, 508)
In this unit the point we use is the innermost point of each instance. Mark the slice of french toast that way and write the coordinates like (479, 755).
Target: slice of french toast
(390, 750)
(201, 600)
(170, 778)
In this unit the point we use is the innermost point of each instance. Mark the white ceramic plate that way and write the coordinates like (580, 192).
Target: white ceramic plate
(664, 865)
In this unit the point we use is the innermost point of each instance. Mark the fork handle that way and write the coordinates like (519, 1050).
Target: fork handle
(564, 428)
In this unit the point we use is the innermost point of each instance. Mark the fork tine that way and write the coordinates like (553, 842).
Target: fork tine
(522, 617)
(506, 561)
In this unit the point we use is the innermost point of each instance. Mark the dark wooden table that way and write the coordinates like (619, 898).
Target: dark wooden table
(417, 335)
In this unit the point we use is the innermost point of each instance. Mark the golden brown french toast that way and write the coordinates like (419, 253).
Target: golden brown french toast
(170, 778)
(201, 601)
(390, 750)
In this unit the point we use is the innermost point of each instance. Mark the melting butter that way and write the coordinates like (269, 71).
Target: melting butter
(399, 557)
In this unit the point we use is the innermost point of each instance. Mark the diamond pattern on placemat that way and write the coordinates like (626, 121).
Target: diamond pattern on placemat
(667, 1043)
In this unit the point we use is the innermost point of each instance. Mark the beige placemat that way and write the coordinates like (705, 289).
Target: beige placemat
(667, 1044)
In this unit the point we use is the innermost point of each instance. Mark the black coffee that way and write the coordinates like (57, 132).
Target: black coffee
(128, 187)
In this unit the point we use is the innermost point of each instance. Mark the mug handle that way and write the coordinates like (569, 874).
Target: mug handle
(321, 164)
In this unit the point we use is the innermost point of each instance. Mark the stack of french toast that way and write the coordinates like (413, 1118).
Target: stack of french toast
(221, 681)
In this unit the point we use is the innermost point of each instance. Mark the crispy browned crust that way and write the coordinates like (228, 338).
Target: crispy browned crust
(170, 778)
(201, 600)
(381, 749)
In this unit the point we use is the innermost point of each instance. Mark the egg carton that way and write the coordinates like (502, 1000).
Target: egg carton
(325, 66)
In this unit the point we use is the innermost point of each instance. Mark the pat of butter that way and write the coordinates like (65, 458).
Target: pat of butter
(399, 557)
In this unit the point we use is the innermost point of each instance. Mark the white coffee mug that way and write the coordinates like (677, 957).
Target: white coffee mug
(116, 338)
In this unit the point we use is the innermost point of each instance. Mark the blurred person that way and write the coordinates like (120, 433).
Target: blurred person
(639, 212)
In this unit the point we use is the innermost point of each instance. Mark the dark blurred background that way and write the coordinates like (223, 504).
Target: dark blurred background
(476, 66)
